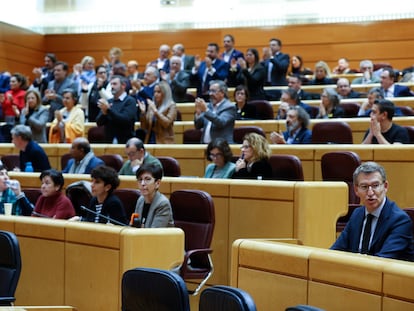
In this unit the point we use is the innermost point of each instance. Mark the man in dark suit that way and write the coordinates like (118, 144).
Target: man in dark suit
(277, 65)
(118, 114)
(297, 122)
(216, 118)
(389, 88)
(379, 227)
(229, 51)
(163, 61)
(212, 68)
(179, 80)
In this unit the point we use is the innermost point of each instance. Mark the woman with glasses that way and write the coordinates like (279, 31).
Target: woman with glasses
(329, 106)
(153, 208)
(218, 151)
(254, 160)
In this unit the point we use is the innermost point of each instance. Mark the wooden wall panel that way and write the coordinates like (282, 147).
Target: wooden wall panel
(387, 41)
(20, 50)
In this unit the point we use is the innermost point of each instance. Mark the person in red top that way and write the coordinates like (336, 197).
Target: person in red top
(14, 98)
(53, 203)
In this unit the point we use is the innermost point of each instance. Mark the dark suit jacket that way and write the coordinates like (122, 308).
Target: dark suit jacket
(235, 54)
(179, 86)
(222, 70)
(399, 91)
(254, 80)
(393, 237)
(280, 63)
(120, 120)
(188, 62)
(303, 137)
(222, 121)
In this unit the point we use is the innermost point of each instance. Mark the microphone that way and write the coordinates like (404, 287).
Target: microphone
(39, 215)
(103, 216)
(135, 221)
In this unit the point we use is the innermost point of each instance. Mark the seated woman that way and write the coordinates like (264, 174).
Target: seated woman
(245, 111)
(104, 181)
(53, 203)
(254, 161)
(69, 122)
(322, 74)
(297, 68)
(220, 153)
(329, 106)
(35, 116)
(157, 116)
(10, 192)
(153, 208)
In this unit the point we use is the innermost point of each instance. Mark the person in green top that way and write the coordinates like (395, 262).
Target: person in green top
(137, 156)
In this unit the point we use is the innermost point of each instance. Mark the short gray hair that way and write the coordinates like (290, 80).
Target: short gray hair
(368, 168)
(24, 131)
(222, 85)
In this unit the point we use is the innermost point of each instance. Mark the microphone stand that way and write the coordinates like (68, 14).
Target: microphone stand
(103, 216)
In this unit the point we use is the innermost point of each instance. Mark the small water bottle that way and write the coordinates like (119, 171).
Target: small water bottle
(29, 167)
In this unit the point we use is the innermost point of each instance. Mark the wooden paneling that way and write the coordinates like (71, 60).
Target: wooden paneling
(386, 41)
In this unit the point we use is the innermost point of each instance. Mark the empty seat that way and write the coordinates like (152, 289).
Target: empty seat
(192, 136)
(129, 198)
(406, 110)
(410, 130)
(331, 132)
(148, 289)
(340, 166)
(96, 134)
(239, 132)
(264, 110)
(170, 166)
(193, 212)
(226, 298)
(113, 160)
(10, 267)
(11, 161)
(286, 167)
(350, 109)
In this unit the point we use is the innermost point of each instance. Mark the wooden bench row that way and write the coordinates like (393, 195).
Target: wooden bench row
(246, 209)
(279, 275)
(81, 264)
(398, 160)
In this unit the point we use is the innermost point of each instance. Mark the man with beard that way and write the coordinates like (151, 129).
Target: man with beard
(118, 114)
(297, 121)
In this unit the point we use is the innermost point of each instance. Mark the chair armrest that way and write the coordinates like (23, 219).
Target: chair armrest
(190, 253)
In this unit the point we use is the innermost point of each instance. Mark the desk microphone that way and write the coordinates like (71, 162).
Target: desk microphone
(40, 215)
(103, 216)
(135, 221)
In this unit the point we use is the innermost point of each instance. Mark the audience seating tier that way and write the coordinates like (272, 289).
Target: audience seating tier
(283, 209)
(67, 263)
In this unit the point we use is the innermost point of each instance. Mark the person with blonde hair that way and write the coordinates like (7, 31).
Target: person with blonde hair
(322, 74)
(254, 161)
(157, 116)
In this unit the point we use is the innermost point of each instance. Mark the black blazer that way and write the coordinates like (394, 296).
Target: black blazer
(259, 168)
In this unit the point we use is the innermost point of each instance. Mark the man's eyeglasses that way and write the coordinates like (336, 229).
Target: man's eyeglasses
(101, 72)
(145, 180)
(374, 187)
(213, 91)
